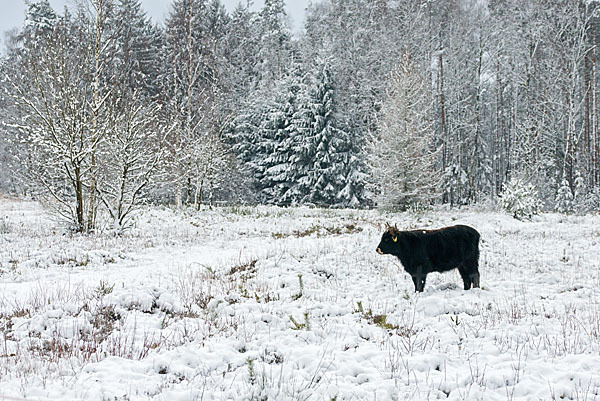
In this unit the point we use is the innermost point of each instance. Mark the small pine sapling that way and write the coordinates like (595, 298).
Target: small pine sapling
(564, 198)
(520, 199)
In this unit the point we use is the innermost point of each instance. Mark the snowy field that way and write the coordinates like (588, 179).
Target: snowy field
(294, 304)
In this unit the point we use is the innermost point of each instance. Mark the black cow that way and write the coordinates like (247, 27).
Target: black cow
(425, 251)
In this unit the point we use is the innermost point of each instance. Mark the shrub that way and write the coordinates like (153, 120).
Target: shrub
(520, 199)
(4, 226)
(564, 198)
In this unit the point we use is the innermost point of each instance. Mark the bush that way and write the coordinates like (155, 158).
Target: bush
(564, 198)
(4, 226)
(585, 200)
(520, 199)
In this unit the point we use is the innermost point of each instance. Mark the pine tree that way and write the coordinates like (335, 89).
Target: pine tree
(290, 158)
(354, 193)
(278, 172)
(135, 50)
(362, 42)
(564, 198)
(40, 19)
(292, 143)
(263, 140)
(242, 80)
(581, 198)
(215, 24)
(243, 41)
(260, 72)
(320, 160)
(268, 161)
(520, 199)
(275, 43)
(300, 130)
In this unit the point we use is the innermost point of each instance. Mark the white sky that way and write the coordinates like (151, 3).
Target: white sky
(13, 11)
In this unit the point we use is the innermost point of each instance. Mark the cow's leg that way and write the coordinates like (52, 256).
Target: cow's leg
(415, 282)
(419, 279)
(469, 274)
(473, 270)
(466, 277)
(475, 279)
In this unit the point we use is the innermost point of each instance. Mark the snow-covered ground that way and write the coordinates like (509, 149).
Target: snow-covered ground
(294, 304)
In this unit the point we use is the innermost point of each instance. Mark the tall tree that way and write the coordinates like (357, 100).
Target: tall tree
(275, 42)
(135, 51)
(49, 87)
(403, 157)
(188, 96)
(194, 59)
(132, 148)
(87, 143)
(243, 40)
(320, 153)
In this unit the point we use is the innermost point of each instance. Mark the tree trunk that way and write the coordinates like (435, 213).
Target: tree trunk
(100, 6)
(79, 195)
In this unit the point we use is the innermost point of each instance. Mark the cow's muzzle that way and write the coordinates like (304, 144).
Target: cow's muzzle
(379, 251)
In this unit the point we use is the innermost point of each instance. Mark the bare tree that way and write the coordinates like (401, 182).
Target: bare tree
(48, 87)
(195, 147)
(82, 147)
(129, 160)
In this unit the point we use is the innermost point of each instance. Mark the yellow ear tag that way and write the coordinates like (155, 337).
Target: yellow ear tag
(395, 239)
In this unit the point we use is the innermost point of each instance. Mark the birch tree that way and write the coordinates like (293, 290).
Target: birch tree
(196, 148)
(100, 93)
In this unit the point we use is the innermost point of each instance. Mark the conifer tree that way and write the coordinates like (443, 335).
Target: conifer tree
(564, 198)
(403, 159)
(40, 20)
(320, 161)
(581, 197)
(264, 142)
(135, 50)
(242, 41)
(275, 42)
(283, 172)
(520, 199)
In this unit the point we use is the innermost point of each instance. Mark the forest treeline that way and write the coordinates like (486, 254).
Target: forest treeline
(376, 103)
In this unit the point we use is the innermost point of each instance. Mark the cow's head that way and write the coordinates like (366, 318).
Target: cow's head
(389, 241)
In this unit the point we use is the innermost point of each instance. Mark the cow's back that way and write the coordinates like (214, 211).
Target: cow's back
(449, 247)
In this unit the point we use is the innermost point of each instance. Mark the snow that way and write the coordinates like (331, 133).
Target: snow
(265, 303)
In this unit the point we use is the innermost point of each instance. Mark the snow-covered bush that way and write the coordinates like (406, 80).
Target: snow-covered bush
(520, 199)
(585, 200)
(564, 198)
(580, 196)
(4, 226)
